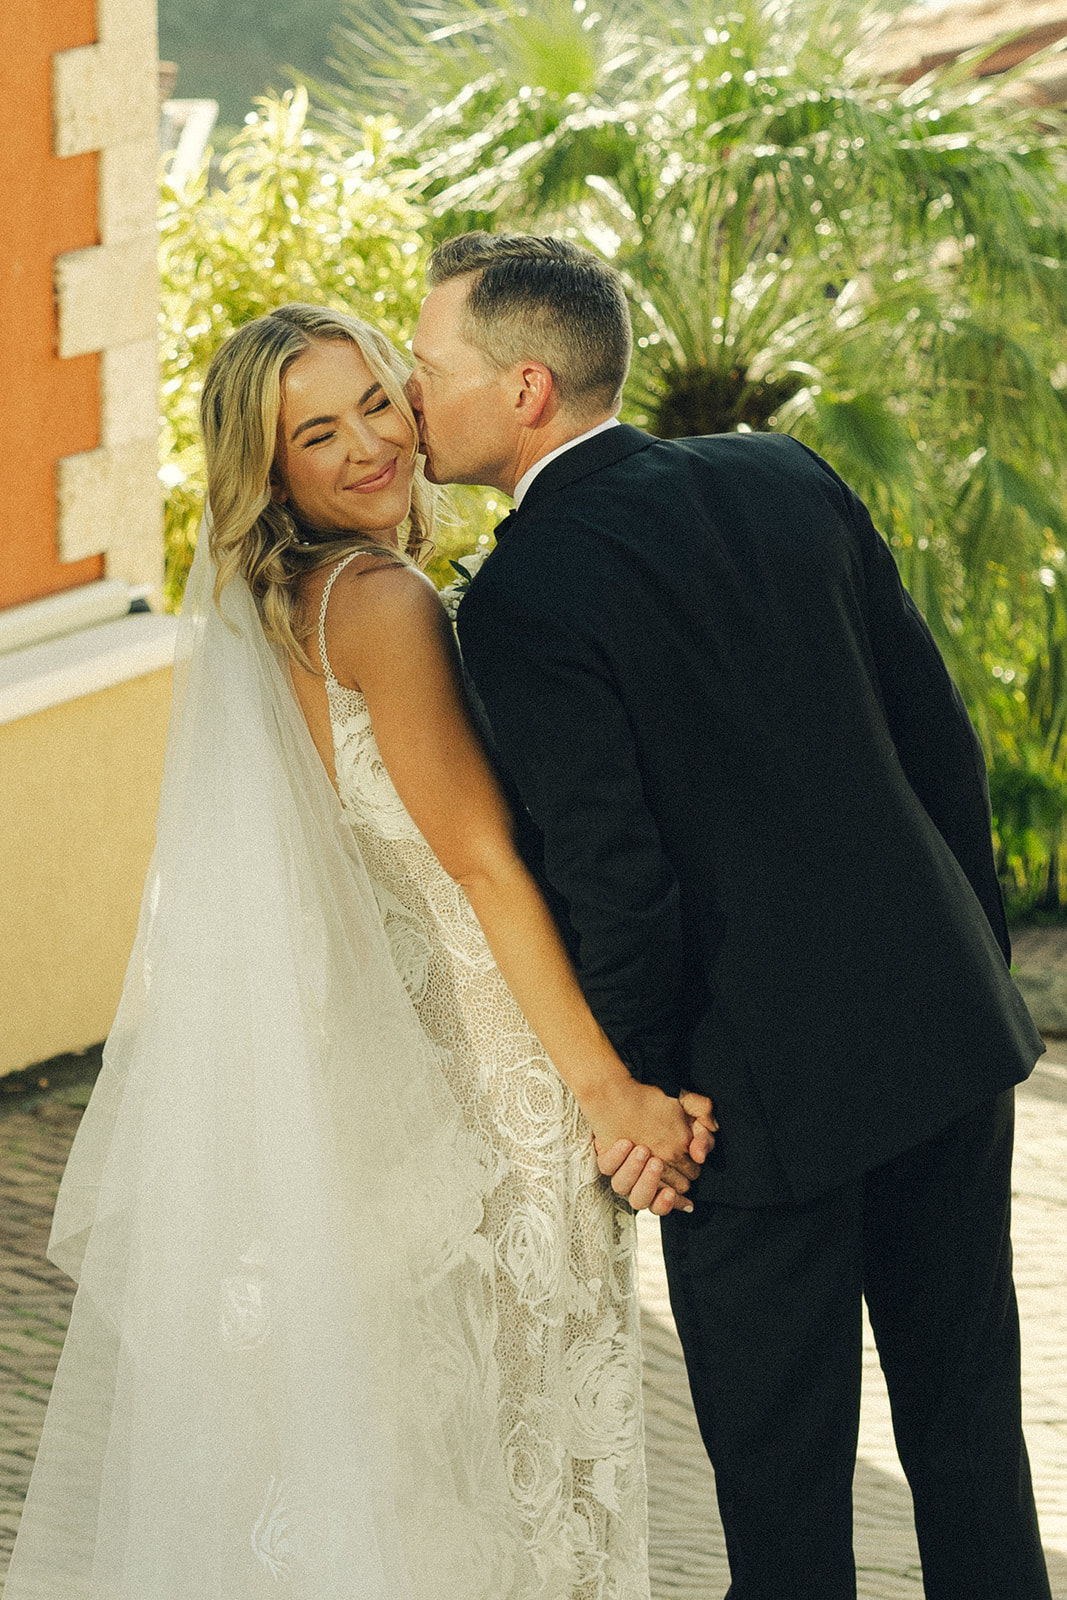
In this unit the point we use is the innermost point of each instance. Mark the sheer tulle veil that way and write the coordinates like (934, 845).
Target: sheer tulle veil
(279, 1378)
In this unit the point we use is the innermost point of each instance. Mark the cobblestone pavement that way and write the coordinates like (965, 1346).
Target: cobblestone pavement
(688, 1557)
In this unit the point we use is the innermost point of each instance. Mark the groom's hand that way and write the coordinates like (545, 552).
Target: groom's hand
(701, 1113)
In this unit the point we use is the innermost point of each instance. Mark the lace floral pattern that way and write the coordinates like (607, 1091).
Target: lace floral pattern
(564, 1317)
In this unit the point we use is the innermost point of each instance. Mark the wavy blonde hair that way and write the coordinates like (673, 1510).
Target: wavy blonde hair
(251, 533)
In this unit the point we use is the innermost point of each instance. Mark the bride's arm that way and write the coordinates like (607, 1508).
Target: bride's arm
(388, 635)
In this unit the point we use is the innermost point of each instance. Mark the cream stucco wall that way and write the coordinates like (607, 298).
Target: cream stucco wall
(79, 784)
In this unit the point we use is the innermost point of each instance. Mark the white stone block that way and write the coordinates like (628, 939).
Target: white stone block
(129, 189)
(79, 100)
(129, 393)
(126, 21)
(104, 94)
(107, 295)
(139, 563)
(109, 500)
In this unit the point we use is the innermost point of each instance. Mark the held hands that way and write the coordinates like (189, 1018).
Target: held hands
(652, 1146)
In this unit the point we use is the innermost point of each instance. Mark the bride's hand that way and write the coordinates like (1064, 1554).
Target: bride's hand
(679, 1137)
(638, 1176)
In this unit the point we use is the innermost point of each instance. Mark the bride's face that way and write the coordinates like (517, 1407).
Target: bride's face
(343, 458)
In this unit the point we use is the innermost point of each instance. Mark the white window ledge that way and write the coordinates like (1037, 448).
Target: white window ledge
(59, 614)
(82, 663)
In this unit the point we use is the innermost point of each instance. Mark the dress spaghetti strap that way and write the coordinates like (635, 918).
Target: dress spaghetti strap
(339, 568)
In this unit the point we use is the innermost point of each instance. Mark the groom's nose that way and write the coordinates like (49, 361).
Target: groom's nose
(414, 394)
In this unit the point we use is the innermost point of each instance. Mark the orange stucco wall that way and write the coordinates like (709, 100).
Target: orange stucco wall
(48, 408)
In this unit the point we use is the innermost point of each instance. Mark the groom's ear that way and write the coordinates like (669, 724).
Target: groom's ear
(534, 395)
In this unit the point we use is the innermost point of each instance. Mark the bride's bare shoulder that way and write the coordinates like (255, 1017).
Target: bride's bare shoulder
(394, 580)
(376, 604)
(371, 584)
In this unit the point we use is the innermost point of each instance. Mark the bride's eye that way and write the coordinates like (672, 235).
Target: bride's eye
(383, 405)
(319, 438)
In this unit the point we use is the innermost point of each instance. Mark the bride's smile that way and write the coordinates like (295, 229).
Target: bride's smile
(376, 480)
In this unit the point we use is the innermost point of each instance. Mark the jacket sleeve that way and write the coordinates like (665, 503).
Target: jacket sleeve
(935, 740)
(562, 733)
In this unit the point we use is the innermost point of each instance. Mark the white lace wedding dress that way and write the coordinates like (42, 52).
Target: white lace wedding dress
(355, 1316)
(559, 1249)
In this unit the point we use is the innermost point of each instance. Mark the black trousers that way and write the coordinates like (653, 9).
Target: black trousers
(768, 1306)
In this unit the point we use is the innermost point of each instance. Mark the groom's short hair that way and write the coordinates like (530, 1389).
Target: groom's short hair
(535, 297)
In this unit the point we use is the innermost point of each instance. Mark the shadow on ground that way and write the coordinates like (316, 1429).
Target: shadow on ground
(688, 1551)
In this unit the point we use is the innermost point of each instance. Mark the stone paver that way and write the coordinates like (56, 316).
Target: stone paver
(34, 1296)
(688, 1556)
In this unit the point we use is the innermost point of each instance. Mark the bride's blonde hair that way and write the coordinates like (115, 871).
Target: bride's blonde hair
(251, 533)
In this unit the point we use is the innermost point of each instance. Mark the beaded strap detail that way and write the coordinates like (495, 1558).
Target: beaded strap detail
(338, 569)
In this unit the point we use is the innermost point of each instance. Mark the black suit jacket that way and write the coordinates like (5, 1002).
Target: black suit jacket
(758, 797)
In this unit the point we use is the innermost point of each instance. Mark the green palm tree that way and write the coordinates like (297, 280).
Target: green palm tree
(300, 216)
(880, 270)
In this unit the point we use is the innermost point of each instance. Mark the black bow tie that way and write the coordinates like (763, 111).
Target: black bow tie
(502, 527)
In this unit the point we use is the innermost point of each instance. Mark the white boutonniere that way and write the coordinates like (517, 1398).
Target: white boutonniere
(465, 568)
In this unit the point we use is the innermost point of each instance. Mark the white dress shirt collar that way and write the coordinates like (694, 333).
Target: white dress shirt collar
(529, 476)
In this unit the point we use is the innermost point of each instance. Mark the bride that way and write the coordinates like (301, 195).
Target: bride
(356, 1316)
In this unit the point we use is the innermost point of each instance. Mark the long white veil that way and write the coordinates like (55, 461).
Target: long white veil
(279, 1378)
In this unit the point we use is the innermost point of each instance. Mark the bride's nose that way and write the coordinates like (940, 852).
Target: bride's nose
(363, 442)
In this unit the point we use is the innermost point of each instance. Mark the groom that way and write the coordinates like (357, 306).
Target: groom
(762, 813)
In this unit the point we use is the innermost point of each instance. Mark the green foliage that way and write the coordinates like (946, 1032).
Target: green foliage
(1029, 802)
(415, 61)
(465, 526)
(881, 270)
(303, 216)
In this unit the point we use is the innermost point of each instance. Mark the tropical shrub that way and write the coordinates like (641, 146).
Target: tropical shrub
(302, 215)
(880, 270)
